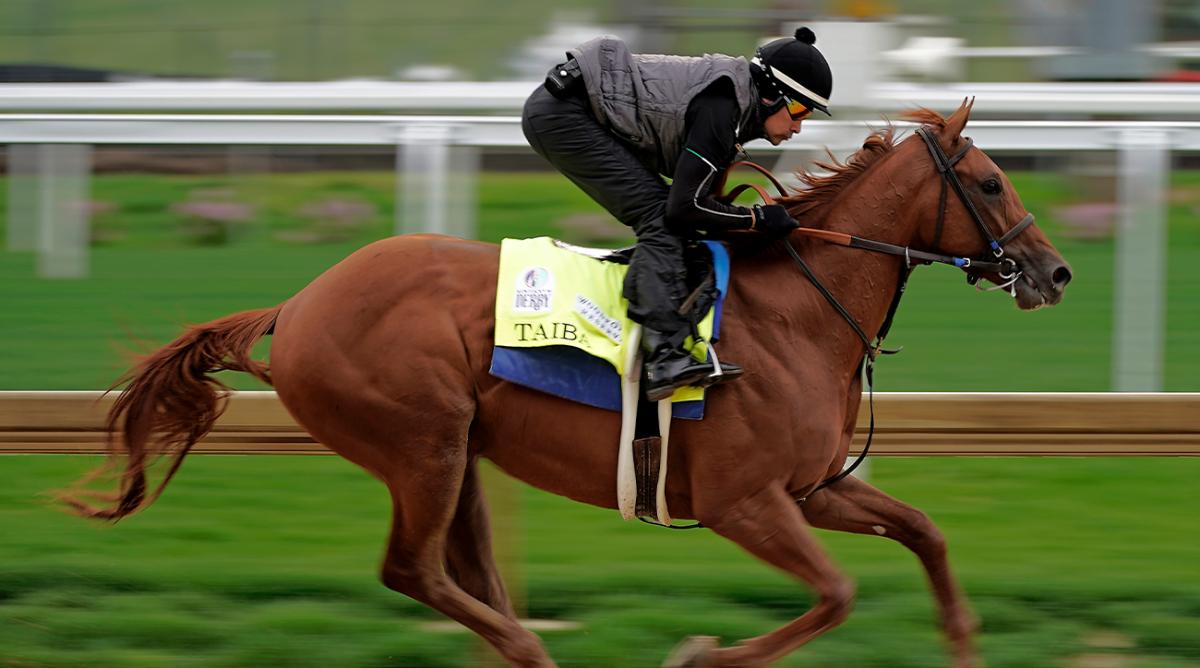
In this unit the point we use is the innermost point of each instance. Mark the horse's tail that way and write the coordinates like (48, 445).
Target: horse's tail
(171, 402)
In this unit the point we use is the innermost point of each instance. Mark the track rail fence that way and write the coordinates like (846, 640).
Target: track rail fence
(908, 424)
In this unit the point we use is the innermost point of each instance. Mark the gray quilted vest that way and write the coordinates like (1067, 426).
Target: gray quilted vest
(643, 98)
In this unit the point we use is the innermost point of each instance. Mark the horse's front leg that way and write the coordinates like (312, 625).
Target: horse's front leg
(770, 526)
(853, 506)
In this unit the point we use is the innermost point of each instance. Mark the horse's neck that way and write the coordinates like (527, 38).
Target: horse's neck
(878, 206)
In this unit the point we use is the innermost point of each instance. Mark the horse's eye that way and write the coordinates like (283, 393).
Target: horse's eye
(991, 187)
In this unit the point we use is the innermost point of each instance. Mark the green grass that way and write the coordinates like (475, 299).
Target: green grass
(317, 39)
(253, 561)
(308, 39)
(305, 40)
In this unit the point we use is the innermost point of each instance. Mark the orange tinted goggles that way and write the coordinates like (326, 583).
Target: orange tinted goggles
(797, 110)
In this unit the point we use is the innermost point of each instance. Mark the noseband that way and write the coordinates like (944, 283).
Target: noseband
(998, 262)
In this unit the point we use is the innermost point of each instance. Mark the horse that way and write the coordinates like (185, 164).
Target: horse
(384, 359)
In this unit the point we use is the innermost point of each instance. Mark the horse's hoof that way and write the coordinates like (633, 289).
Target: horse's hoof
(693, 652)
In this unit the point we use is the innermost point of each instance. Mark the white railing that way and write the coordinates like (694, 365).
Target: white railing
(505, 131)
(1013, 100)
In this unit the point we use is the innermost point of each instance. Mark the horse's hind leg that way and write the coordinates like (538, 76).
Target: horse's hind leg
(469, 558)
(424, 506)
(769, 525)
(854, 506)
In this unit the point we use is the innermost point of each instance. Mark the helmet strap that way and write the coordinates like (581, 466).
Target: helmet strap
(766, 85)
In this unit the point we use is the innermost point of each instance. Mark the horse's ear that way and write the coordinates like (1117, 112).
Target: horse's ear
(956, 122)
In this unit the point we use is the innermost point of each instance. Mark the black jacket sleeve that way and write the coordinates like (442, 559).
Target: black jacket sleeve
(710, 145)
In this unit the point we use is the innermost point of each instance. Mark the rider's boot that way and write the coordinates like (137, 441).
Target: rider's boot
(669, 367)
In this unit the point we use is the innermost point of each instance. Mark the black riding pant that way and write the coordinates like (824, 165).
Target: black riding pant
(565, 132)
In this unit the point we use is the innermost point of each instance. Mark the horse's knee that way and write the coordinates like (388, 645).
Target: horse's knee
(408, 578)
(923, 536)
(483, 586)
(396, 578)
(839, 597)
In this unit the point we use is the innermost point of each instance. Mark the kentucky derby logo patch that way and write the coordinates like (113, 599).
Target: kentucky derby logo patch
(535, 289)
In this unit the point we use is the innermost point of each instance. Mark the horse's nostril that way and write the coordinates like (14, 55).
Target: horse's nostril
(1061, 277)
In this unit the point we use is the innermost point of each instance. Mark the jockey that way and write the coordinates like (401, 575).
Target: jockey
(615, 123)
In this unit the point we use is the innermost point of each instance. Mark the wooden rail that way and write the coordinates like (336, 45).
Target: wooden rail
(907, 423)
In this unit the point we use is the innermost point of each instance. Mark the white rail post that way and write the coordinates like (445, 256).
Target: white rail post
(61, 196)
(1140, 273)
(464, 176)
(423, 165)
(22, 197)
(436, 181)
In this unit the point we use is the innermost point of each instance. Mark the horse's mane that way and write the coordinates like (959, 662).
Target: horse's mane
(821, 188)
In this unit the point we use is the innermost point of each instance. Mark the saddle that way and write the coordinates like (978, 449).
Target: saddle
(562, 328)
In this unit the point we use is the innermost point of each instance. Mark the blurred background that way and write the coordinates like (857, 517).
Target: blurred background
(168, 162)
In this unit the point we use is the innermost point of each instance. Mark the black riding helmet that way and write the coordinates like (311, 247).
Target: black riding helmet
(793, 68)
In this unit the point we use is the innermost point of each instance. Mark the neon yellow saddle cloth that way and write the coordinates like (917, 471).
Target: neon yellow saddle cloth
(552, 295)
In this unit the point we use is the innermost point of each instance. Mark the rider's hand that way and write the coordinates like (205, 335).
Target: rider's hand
(773, 220)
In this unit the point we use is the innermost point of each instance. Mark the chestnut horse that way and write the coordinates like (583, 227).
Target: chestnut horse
(384, 359)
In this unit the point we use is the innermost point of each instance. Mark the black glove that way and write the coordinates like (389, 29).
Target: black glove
(773, 220)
